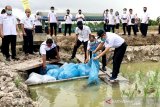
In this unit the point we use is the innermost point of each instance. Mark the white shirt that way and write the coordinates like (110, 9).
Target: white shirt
(113, 40)
(37, 21)
(105, 15)
(117, 19)
(124, 18)
(68, 19)
(111, 18)
(83, 35)
(9, 25)
(130, 17)
(145, 18)
(53, 17)
(1, 17)
(28, 22)
(44, 47)
(79, 17)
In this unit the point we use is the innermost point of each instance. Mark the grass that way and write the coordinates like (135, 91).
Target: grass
(17, 81)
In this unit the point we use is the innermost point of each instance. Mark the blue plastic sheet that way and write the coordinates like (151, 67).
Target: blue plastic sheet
(48, 67)
(84, 69)
(54, 72)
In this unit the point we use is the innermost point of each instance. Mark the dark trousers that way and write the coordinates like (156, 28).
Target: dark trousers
(59, 30)
(117, 59)
(136, 28)
(2, 46)
(129, 29)
(38, 29)
(53, 26)
(6, 41)
(28, 41)
(111, 27)
(77, 46)
(144, 28)
(106, 27)
(124, 28)
(51, 54)
(104, 60)
(67, 26)
(159, 29)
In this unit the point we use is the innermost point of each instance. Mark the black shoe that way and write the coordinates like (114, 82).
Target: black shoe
(8, 59)
(103, 69)
(123, 34)
(15, 58)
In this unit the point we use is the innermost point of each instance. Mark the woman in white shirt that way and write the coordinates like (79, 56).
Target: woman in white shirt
(117, 18)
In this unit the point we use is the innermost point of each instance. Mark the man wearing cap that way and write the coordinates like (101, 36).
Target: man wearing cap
(82, 37)
(112, 40)
(48, 50)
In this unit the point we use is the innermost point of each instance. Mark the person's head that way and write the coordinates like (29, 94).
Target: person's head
(49, 42)
(106, 10)
(130, 11)
(28, 12)
(3, 11)
(101, 34)
(68, 11)
(111, 10)
(37, 13)
(92, 38)
(80, 11)
(8, 10)
(116, 13)
(144, 9)
(124, 10)
(52, 9)
(80, 25)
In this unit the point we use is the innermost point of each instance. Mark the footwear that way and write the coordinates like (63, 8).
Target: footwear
(103, 68)
(8, 59)
(112, 79)
(15, 58)
(123, 34)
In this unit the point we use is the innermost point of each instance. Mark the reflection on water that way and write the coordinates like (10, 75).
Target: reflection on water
(73, 94)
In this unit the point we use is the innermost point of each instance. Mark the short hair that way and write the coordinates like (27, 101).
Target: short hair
(52, 7)
(130, 9)
(68, 10)
(49, 41)
(79, 10)
(3, 11)
(27, 10)
(79, 23)
(92, 36)
(125, 9)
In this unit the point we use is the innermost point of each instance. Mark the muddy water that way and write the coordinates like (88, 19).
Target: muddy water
(73, 94)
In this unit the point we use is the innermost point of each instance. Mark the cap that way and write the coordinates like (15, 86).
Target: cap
(100, 33)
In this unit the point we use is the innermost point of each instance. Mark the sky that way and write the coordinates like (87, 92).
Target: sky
(87, 6)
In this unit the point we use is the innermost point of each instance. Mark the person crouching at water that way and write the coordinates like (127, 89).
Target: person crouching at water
(48, 50)
(92, 45)
(112, 40)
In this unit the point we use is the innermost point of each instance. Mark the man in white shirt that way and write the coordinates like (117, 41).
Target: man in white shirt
(68, 22)
(52, 21)
(49, 50)
(9, 30)
(111, 18)
(82, 37)
(80, 16)
(106, 26)
(131, 22)
(144, 22)
(38, 23)
(117, 19)
(27, 30)
(124, 21)
(112, 40)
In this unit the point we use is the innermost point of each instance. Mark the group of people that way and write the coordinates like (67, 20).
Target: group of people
(129, 20)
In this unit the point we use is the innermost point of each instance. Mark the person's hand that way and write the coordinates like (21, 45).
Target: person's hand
(44, 67)
(2, 35)
(94, 52)
(58, 57)
(24, 34)
(86, 61)
(75, 43)
(95, 58)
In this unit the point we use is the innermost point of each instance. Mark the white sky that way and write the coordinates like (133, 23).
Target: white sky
(87, 6)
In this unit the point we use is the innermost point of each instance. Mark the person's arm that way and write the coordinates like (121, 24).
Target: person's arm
(18, 32)
(44, 61)
(1, 31)
(100, 46)
(23, 31)
(58, 57)
(102, 53)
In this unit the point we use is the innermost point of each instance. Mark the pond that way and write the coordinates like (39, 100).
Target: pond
(74, 94)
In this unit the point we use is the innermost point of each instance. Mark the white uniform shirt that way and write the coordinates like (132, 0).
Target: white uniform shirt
(53, 17)
(1, 17)
(9, 25)
(113, 40)
(83, 35)
(28, 22)
(111, 18)
(124, 18)
(68, 19)
(130, 17)
(44, 47)
(145, 18)
(117, 19)
(78, 17)
(37, 21)
(105, 15)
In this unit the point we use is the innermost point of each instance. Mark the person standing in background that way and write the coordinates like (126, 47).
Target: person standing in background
(144, 22)
(68, 22)
(9, 31)
(59, 27)
(111, 18)
(105, 15)
(27, 30)
(124, 21)
(80, 16)
(38, 23)
(117, 18)
(136, 23)
(52, 21)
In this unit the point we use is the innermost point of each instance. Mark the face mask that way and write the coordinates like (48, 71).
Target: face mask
(67, 12)
(9, 12)
(145, 10)
(124, 12)
(52, 10)
(80, 27)
(103, 39)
